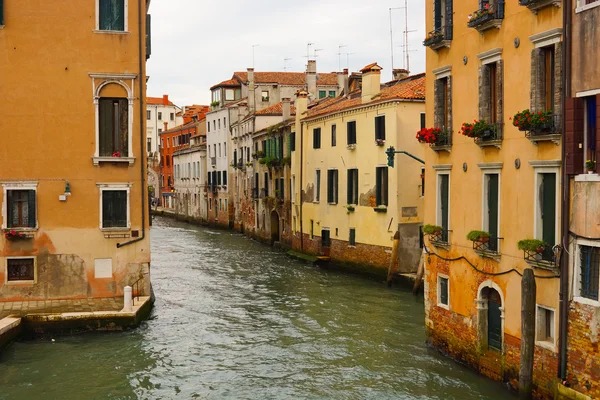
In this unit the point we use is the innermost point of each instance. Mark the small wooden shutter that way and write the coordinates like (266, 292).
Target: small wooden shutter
(437, 14)
(548, 199)
(448, 23)
(574, 111)
(105, 109)
(31, 207)
(9, 207)
(444, 192)
(349, 188)
(493, 210)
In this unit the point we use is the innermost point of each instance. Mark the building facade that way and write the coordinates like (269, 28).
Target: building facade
(347, 203)
(494, 172)
(74, 214)
(171, 141)
(161, 115)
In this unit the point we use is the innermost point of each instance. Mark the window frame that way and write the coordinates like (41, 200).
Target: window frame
(352, 237)
(438, 292)
(322, 94)
(487, 170)
(332, 186)
(125, 18)
(18, 186)
(545, 167)
(576, 251)
(35, 269)
(548, 344)
(316, 138)
(263, 97)
(317, 187)
(382, 193)
(438, 199)
(102, 187)
(581, 6)
(348, 138)
(352, 189)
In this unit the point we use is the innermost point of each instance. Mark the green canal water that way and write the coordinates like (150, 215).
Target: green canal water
(235, 320)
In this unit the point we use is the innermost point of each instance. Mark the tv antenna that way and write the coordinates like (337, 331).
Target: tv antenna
(348, 59)
(308, 50)
(316, 51)
(285, 67)
(392, 36)
(253, 47)
(339, 54)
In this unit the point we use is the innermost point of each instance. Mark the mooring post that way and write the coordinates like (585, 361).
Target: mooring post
(394, 259)
(420, 273)
(528, 292)
(127, 299)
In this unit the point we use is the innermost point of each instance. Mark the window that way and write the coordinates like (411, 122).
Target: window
(381, 186)
(544, 325)
(219, 149)
(351, 131)
(442, 112)
(352, 186)
(160, 116)
(293, 141)
(218, 177)
(317, 138)
(20, 208)
(293, 189)
(149, 144)
(208, 126)
(589, 266)
(172, 116)
(332, 186)
(219, 123)
(322, 94)
(265, 95)
(214, 125)
(491, 205)
(546, 217)
(550, 81)
(114, 127)
(333, 135)
(114, 210)
(332, 93)
(266, 180)
(20, 269)
(312, 229)
(380, 127)
(590, 111)
(443, 295)
(111, 15)
(443, 204)
(1, 13)
(352, 238)
(317, 196)
(423, 120)
(229, 94)
(148, 114)
(224, 178)
(422, 182)
(325, 237)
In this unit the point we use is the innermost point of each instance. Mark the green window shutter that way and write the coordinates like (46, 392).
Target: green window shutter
(493, 210)
(444, 192)
(378, 191)
(31, 207)
(548, 199)
(106, 127)
(332, 93)
(437, 14)
(9, 208)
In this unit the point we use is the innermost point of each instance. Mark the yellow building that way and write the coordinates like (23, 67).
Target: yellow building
(346, 202)
(493, 167)
(74, 198)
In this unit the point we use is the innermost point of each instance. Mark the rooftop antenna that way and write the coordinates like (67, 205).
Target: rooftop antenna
(392, 37)
(308, 50)
(348, 60)
(316, 51)
(253, 47)
(339, 54)
(406, 31)
(406, 50)
(285, 60)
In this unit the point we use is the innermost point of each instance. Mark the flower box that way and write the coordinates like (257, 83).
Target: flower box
(13, 235)
(380, 142)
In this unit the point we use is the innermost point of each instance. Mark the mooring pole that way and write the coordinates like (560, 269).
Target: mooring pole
(528, 291)
(393, 268)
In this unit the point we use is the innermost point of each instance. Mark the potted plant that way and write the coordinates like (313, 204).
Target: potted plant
(214, 103)
(478, 236)
(116, 154)
(379, 142)
(260, 154)
(431, 135)
(527, 120)
(590, 165)
(12, 234)
(350, 208)
(477, 129)
(532, 245)
(432, 229)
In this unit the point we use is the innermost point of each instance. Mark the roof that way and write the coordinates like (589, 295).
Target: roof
(156, 101)
(228, 83)
(276, 109)
(410, 88)
(288, 78)
(195, 110)
(371, 67)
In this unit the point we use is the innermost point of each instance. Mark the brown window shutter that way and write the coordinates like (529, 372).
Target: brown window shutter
(574, 135)
(484, 93)
(597, 131)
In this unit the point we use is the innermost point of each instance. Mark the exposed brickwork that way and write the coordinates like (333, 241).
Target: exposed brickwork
(583, 367)
(458, 336)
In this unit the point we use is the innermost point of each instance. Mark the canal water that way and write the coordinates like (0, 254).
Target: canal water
(234, 319)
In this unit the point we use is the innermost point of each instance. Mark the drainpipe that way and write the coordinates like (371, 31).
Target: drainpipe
(564, 261)
(142, 133)
(300, 191)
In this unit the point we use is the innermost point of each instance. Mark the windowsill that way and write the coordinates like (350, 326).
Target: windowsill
(489, 254)
(332, 204)
(380, 209)
(111, 32)
(316, 202)
(351, 147)
(21, 229)
(98, 160)
(444, 306)
(585, 300)
(20, 283)
(123, 229)
(546, 345)
(587, 178)
(587, 7)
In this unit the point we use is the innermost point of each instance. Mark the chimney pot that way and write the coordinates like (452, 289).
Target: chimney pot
(285, 108)
(400, 73)
(165, 99)
(345, 71)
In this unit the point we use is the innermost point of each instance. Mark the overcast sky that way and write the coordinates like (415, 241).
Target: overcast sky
(196, 44)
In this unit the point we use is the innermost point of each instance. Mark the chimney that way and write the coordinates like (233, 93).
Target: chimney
(166, 126)
(251, 94)
(399, 73)
(301, 106)
(285, 108)
(311, 77)
(371, 82)
(165, 99)
(346, 81)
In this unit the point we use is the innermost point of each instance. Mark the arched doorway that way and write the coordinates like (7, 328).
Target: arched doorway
(275, 237)
(491, 316)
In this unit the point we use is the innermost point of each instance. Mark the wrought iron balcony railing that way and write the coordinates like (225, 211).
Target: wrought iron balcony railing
(439, 37)
(490, 244)
(491, 136)
(490, 16)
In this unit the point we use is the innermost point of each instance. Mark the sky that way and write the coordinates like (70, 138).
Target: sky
(197, 44)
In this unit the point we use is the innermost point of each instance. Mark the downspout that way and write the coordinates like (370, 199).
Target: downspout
(142, 135)
(300, 191)
(566, 204)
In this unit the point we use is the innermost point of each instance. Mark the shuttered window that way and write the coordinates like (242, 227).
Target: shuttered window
(589, 258)
(1, 12)
(317, 185)
(266, 177)
(443, 212)
(492, 206)
(352, 186)
(352, 238)
(380, 127)
(381, 176)
(114, 209)
(112, 15)
(218, 178)
(293, 141)
(423, 120)
(332, 186)
(21, 209)
(317, 138)
(443, 290)
(351, 132)
(114, 125)
(224, 178)
(333, 135)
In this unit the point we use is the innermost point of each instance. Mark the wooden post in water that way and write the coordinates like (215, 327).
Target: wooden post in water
(393, 269)
(420, 273)
(528, 291)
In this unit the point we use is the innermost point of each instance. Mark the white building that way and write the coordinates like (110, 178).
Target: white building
(161, 115)
(189, 168)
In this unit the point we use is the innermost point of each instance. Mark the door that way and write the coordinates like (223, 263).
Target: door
(548, 206)
(325, 242)
(494, 320)
(493, 211)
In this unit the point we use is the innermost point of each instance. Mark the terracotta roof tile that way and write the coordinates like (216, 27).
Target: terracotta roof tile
(228, 83)
(196, 110)
(371, 67)
(411, 88)
(276, 109)
(158, 101)
(288, 78)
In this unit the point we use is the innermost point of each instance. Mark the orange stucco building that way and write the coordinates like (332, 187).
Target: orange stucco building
(74, 199)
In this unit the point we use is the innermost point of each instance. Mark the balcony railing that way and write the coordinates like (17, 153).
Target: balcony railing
(488, 247)
(535, 5)
(492, 136)
(544, 259)
(549, 131)
(439, 37)
(440, 238)
(443, 142)
(487, 18)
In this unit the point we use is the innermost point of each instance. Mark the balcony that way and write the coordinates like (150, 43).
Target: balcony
(439, 38)
(535, 5)
(443, 142)
(487, 18)
(491, 136)
(548, 131)
(440, 239)
(488, 247)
